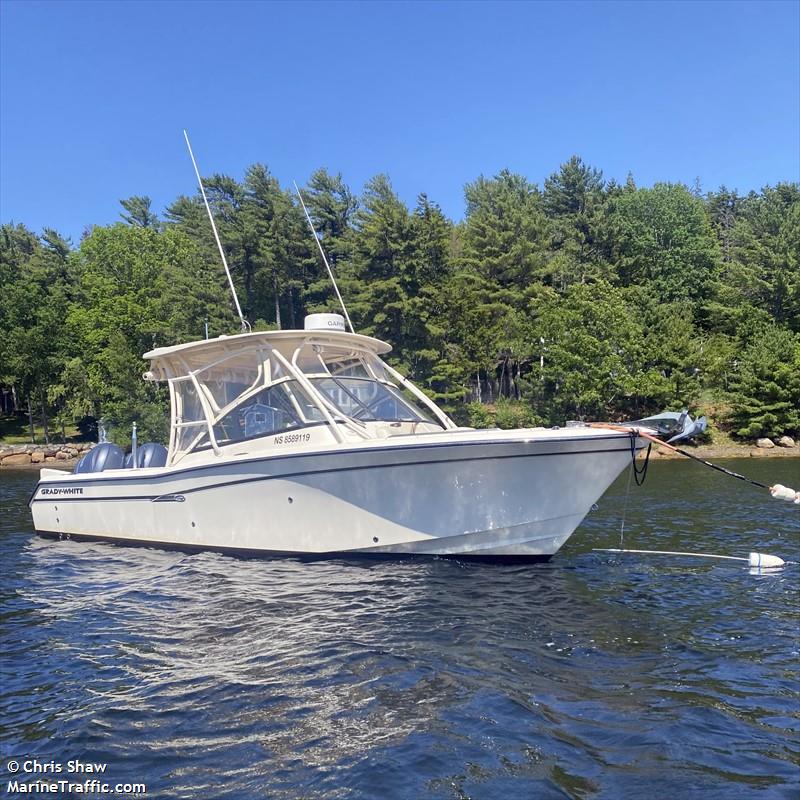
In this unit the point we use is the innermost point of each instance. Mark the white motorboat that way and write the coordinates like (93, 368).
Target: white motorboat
(305, 442)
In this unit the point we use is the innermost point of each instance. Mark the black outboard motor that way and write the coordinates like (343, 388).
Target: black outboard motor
(101, 457)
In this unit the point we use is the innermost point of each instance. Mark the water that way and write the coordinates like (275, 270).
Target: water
(592, 676)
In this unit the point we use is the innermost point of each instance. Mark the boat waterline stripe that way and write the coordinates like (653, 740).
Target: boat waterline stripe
(290, 475)
(323, 555)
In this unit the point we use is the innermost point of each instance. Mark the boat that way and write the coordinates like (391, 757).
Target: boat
(307, 443)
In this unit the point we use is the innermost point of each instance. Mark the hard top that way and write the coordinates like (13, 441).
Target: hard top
(196, 354)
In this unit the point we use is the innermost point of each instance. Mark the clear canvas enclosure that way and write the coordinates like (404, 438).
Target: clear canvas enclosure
(223, 395)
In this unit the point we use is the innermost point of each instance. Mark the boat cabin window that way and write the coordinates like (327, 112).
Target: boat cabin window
(190, 425)
(349, 368)
(228, 379)
(282, 407)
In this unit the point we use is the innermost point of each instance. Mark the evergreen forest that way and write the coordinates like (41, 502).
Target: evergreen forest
(583, 298)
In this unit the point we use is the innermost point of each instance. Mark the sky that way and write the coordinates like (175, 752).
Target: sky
(94, 96)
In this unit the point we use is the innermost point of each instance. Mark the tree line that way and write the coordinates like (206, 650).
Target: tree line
(582, 298)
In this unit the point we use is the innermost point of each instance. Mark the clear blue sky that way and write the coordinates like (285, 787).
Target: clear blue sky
(93, 96)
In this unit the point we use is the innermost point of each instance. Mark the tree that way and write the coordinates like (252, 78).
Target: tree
(505, 231)
(672, 364)
(382, 261)
(633, 299)
(591, 353)
(139, 289)
(662, 238)
(574, 190)
(423, 345)
(765, 269)
(765, 387)
(574, 200)
(138, 212)
(331, 206)
(37, 285)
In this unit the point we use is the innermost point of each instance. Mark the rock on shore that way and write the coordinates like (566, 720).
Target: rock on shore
(20, 455)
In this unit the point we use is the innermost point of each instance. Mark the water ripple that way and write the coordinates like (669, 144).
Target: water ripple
(591, 676)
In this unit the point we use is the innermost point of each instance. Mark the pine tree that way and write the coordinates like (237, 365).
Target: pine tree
(574, 199)
(765, 387)
(505, 231)
(138, 212)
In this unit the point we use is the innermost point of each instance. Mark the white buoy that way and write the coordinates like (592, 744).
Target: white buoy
(757, 560)
(765, 561)
(780, 492)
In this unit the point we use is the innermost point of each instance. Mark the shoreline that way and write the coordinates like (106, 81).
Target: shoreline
(708, 452)
(712, 452)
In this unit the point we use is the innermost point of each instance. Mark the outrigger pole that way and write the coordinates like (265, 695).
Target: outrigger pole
(245, 324)
(324, 257)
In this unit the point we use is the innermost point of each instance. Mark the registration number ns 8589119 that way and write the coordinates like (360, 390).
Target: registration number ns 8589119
(292, 438)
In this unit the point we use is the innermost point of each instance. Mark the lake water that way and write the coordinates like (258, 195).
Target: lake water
(592, 676)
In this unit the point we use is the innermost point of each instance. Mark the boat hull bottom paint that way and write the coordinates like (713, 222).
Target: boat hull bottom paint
(345, 555)
(512, 499)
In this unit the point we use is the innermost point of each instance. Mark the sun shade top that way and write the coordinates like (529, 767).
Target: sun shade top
(205, 350)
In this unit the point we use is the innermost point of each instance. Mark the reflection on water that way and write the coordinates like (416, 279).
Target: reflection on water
(591, 676)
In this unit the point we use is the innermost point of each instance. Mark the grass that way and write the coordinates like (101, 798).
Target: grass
(14, 429)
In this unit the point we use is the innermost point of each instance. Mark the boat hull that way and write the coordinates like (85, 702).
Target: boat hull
(491, 499)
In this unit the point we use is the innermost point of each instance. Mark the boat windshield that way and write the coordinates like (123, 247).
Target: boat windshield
(257, 392)
(368, 400)
(358, 385)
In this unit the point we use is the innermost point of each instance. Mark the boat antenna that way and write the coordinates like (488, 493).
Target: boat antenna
(245, 324)
(324, 257)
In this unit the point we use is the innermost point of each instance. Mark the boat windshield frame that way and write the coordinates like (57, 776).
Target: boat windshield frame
(255, 391)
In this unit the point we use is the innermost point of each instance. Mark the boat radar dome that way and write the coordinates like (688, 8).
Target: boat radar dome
(324, 322)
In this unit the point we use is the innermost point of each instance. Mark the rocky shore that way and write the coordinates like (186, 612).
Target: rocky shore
(37, 455)
(763, 448)
(65, 455)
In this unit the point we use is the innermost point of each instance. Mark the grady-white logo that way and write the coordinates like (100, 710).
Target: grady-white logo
(64, 490)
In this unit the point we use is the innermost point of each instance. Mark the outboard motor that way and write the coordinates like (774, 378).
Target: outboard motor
(151, 454)
(101, 457)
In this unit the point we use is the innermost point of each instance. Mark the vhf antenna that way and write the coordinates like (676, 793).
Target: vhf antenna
(324, 258)
(245, 324)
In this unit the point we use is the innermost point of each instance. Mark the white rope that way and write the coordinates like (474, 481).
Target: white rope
(625, 507)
